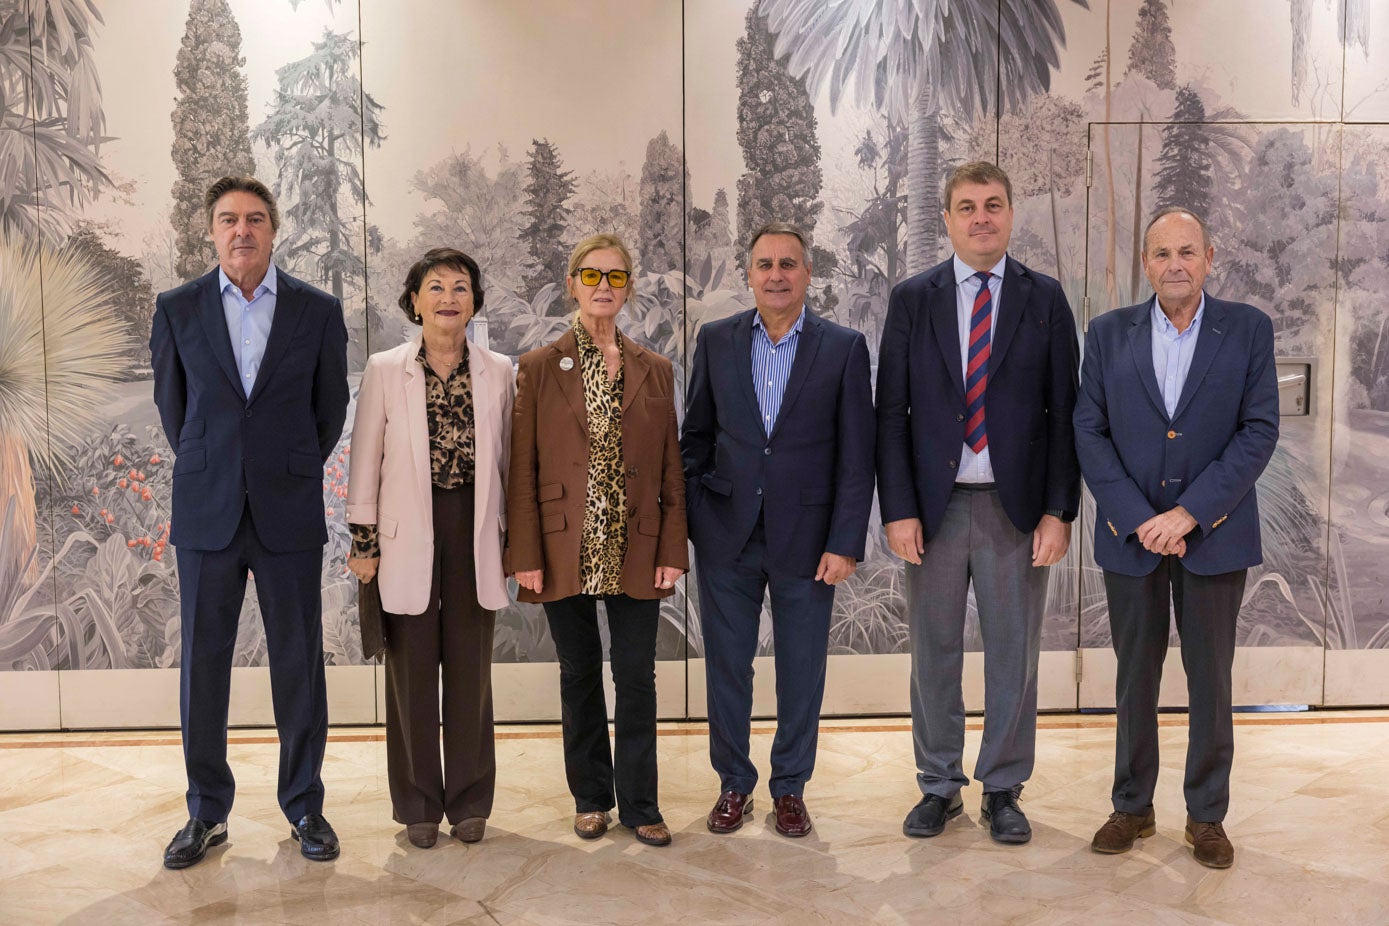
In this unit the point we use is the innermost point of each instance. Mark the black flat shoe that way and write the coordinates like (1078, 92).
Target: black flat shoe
(191, 843)
(930, 814)
(317, 841)
(1007, 823)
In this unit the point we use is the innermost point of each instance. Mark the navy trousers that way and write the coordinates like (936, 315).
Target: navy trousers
(730, 608)
(213, 584)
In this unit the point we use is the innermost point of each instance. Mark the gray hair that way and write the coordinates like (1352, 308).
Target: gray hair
(1177, 210)
(781, 228)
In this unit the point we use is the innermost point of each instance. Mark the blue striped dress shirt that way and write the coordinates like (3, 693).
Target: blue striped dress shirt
(1173, 353)
(248, 323)
(771, 366)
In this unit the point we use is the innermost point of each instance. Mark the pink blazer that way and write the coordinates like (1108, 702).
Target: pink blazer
(389, 482)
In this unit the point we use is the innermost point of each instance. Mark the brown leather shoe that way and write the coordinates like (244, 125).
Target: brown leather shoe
(1209, 843)
(1121, 829)
(792, 819)
(729, 811)
(653, 834)
(422, 835)
(591, 825)
(469, 829)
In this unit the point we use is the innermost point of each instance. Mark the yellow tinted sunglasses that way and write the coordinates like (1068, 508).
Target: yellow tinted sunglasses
(589, 276)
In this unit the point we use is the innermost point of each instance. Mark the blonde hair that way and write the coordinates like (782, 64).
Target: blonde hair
(598, 243)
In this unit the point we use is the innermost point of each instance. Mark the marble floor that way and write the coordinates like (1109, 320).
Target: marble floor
(84, 818)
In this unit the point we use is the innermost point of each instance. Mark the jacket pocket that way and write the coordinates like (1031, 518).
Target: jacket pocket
(305, 464)
(548, 493)
(387, 527)
(192, 429)
(716, 484)
(823, 495)
(552, 522)
(190, 461)
(651, 527)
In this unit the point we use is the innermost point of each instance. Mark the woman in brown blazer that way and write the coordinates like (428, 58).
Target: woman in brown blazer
(596, 509)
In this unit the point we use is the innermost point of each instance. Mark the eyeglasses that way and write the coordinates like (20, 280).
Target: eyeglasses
(617, 279)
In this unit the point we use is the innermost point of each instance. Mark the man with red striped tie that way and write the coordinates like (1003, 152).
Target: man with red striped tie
(977, 483)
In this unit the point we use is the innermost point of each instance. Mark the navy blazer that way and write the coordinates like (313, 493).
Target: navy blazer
(1028, 404)
(266, 450)
(812, 478)
(1206, 458)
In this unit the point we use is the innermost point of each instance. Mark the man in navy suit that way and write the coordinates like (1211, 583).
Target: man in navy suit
(1177, 417)
(778, 451)
(250, 379)
(977, 484)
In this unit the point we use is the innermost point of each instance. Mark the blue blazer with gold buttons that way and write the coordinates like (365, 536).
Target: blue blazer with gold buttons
(1207, 457)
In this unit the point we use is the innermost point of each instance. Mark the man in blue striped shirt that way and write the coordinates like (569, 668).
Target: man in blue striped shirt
(778, 450)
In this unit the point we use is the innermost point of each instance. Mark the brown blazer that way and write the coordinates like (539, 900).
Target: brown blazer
(548, 479)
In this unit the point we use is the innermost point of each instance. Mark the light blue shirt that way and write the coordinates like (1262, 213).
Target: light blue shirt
(771, 366)
(1172, 353)
(975, 467)
(248, 323)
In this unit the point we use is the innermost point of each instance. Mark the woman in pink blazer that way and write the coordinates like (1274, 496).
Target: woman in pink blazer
(425, 501)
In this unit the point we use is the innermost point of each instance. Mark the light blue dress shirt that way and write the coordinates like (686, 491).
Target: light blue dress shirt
(771, 366)
(975, 467)
(248, 323)
(1172, 353)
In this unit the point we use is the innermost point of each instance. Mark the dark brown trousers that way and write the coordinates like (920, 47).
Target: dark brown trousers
(455, 634)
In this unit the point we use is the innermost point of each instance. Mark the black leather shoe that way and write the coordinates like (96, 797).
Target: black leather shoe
(928, 817)
(1006, 821)
(317, 841)
(191, 843)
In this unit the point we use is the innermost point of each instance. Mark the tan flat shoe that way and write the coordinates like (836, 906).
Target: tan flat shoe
(469, 829)
(653, 834)
(591, 825)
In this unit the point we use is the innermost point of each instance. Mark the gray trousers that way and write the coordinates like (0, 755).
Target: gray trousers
(976, 543)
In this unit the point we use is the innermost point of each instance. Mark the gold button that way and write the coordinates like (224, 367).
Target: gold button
(1171, 435)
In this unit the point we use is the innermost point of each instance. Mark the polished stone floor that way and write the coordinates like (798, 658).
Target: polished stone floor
(84, 819)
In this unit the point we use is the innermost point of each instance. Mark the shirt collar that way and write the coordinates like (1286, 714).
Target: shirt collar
(964, 271)
(794, 329)
(1163, 325)
(270, 284)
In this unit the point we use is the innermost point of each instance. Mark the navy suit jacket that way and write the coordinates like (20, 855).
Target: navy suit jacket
(266, 450)
(1028, 404)
(1206, 457)
(812, 478)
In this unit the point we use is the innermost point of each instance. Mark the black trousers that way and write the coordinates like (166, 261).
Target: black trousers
(588, 763)
(289, 588)
(1206, 608)
(454, 633)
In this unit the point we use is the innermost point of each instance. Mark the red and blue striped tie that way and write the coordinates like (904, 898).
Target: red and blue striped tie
(977, 373)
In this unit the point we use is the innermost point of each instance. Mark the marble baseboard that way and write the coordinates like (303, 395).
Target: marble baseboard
(1357, 677)
(30, 701)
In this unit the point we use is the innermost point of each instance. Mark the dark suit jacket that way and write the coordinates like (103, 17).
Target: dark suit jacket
(1028, 404)
(548, 483)
(812, 478)
(1206, 458)
(266, 450)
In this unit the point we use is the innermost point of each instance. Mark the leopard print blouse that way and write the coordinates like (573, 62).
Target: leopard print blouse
(452, 439)
(603, 542)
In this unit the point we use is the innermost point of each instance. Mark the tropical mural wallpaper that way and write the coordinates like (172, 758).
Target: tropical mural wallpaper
(385, 129)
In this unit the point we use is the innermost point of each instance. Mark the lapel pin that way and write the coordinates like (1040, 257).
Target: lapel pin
(566, 363)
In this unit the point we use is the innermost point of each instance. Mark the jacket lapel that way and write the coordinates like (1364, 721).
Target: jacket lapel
(742, 363)
(942, 307)
(214, 321)
(638, 365)
(571, 381)
(289, 304)
(1013, 296)
(1208, 342)
(812, 331)
(416, 418)
(1141, 348)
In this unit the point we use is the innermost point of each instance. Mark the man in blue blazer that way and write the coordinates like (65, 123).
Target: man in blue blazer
(1176, 419)
(250, 379)
(977, 484)
(778, 451)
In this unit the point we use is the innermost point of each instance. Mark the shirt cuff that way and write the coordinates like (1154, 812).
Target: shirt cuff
(364, 541)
